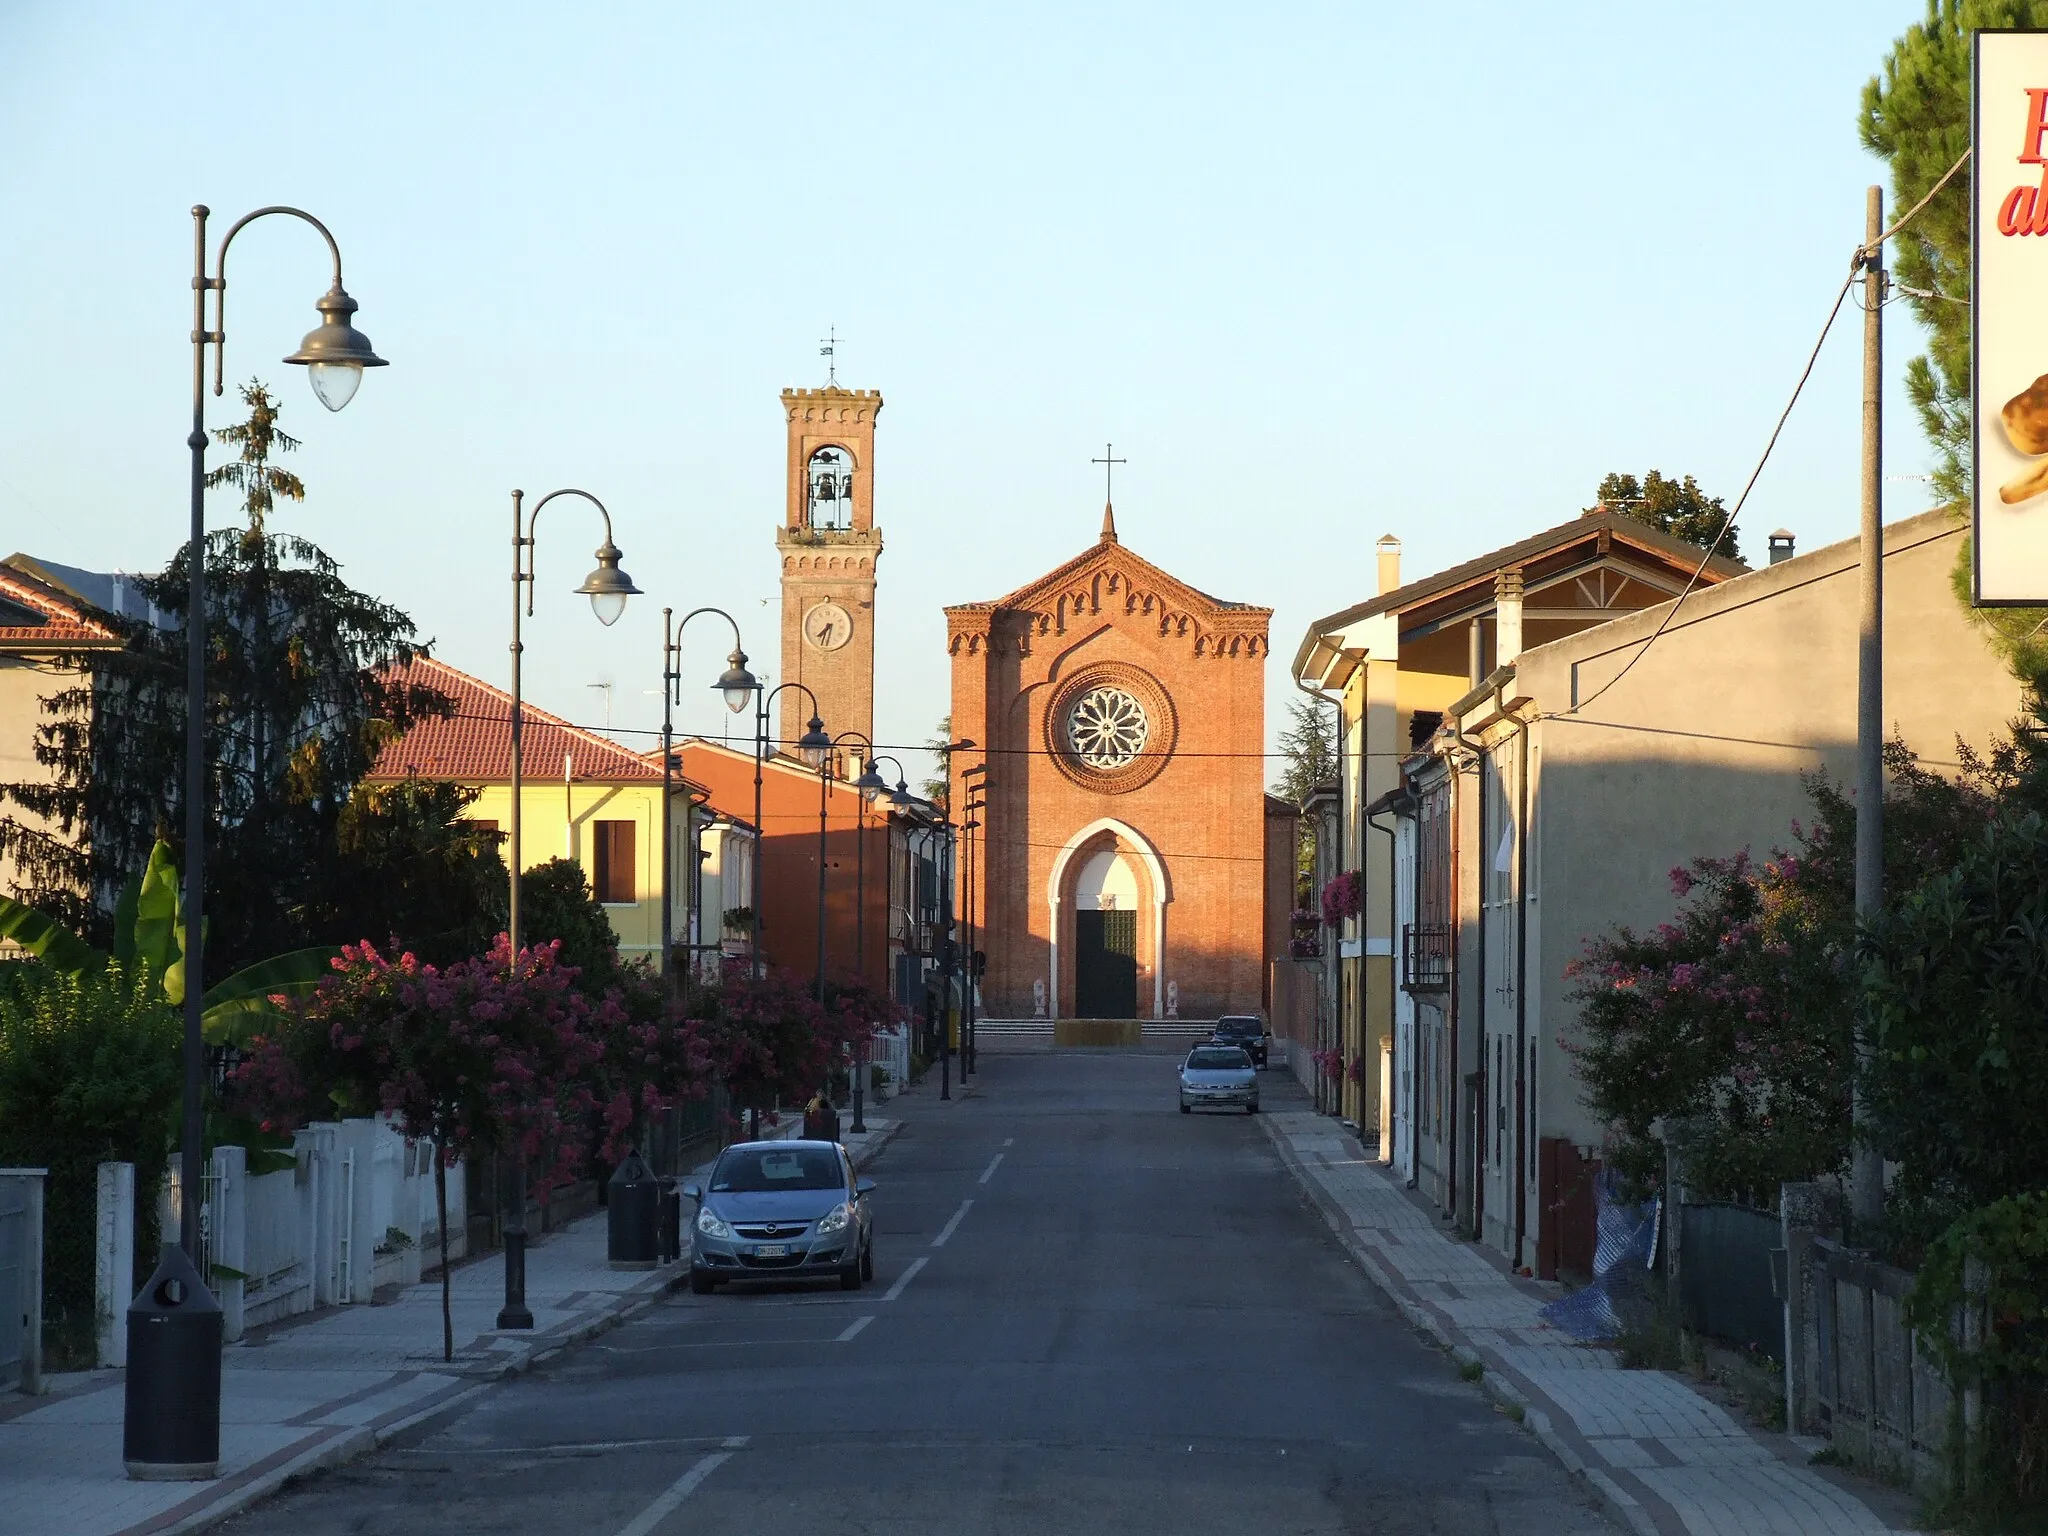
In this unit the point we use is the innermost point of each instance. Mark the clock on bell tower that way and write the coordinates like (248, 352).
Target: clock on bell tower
(829, 544)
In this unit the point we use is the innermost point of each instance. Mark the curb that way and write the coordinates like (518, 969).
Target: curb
(1504, 1394)
(353, 1444)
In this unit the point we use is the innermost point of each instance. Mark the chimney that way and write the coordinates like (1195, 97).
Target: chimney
(1781, 545)
(1389, 549)
(1507, 616)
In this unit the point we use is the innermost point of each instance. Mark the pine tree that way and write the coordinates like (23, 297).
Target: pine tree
(1308, 748)
(297, 709)
(1677, 507)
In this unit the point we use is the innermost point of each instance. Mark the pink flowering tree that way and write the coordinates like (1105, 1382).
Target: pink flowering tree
(654, 1059)
(766, 1040)
(1738, 1017)
(494, 1054)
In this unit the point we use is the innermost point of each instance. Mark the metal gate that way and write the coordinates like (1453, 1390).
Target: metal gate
(1106, 965)
(21, 1278)
(1724, 1275)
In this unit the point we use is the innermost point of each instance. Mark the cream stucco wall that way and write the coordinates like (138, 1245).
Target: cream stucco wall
(23, 684)
(556, 822)
(1699, 749)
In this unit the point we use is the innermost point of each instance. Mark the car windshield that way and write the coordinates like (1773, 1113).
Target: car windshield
(1238, 1027)
(1217, 1059)
(755, 1170)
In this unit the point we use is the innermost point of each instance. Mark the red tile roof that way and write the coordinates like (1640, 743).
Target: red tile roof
(474, 745)
(56, 620)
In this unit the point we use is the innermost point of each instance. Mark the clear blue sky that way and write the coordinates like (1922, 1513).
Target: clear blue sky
(1321, 272)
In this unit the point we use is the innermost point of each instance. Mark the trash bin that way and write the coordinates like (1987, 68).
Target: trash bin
(631, 1215)
(170, 1423)
(671, 1221)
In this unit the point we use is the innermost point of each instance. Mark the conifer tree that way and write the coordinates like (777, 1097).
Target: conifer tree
(1677, 507)
(296, 710)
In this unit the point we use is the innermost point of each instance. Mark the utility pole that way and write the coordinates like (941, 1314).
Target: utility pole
(1866, 1168)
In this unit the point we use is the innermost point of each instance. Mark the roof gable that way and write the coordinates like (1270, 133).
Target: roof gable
(1106, 578)
(474, 744)
(36, 615)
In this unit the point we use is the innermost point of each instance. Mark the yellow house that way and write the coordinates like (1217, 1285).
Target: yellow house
(47, 627)
(583, 797)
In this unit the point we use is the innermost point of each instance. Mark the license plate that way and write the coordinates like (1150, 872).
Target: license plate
(772, 1251)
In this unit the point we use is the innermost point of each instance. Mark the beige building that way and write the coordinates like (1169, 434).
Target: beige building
(1393, 665)
(1556, 796)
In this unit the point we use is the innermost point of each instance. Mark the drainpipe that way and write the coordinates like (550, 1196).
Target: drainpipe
(1525, 1118)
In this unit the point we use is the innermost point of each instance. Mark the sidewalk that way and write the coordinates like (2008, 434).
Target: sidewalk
(1667, 1461)
(323, 1389)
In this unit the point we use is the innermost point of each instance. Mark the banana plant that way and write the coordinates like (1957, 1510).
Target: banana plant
(149, 929)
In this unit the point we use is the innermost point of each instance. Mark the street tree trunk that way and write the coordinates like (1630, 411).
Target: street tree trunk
(441, 1200)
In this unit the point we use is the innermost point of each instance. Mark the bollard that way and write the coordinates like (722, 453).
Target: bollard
(671, 1221)
(631, 1216)
(170, 1422)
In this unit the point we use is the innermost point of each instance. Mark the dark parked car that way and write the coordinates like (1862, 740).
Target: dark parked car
(1246, 1032)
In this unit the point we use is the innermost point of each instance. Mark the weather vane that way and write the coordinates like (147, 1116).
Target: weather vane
(1108, 461)
(828, 349)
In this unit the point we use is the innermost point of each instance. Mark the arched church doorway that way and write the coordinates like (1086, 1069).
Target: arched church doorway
(1106, 938)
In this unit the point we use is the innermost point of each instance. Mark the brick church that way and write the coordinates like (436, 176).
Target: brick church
(1120, 869)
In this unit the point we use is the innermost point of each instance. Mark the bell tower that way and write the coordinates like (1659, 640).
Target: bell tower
(829, 545)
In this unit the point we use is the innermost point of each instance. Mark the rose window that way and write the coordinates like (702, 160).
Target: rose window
(1106, 729)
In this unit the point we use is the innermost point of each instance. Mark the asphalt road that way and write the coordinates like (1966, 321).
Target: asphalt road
(1090, 1313)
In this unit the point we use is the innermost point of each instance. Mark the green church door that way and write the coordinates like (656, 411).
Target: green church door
(1106, 965)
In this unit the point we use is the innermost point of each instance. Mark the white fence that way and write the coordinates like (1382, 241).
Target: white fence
(355, 1211)
(890, 1050)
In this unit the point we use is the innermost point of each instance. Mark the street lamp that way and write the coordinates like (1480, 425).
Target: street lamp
(951, 951)
(607, 587)
(737, 685)
(334, 355)
(814, 746)
(977, 784)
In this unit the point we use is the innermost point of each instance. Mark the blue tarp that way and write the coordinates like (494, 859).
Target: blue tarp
(1624, 1249)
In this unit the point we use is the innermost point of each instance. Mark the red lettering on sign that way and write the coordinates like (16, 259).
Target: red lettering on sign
(2016, 213)
(2037, 126)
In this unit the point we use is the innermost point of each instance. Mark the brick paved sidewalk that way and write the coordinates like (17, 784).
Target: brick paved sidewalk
(322, 1389)
(1668, 1461)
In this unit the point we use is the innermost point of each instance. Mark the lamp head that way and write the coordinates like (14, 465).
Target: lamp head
(608, 587)
(334, 353)
(736, 682)
(814, 745)
(871, 784)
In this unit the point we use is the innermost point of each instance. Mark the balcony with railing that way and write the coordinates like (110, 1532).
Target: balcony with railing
(1426, 957)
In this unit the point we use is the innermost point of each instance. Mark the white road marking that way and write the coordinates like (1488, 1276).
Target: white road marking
(854, 1328)
(672, 1499)
(908, 1275)
(947, 1230)
(1009, 1141)
(990, 1171)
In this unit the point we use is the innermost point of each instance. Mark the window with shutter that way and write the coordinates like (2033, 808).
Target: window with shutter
(613, 876)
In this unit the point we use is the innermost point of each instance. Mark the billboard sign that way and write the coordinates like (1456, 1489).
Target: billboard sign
(2009, 316)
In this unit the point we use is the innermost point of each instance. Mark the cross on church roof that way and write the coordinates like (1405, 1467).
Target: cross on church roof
(1109, 462)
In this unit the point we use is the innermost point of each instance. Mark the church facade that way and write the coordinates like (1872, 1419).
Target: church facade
(1119, 719)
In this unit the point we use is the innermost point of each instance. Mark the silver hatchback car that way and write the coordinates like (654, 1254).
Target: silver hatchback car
(1218, 1077)
(782, 1210)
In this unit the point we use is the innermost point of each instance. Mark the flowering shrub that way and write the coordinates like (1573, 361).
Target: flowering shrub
(1738, 1016)
(1329, 1062)
(1305, 947)
(493, 1054)
(1303, 917)
(1356, 1071)
(1344, 897)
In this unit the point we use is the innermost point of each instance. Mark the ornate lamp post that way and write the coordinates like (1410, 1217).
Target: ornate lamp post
(607, 587)
(951, 950)
(977, 786)
(334, 354)
(737, 685)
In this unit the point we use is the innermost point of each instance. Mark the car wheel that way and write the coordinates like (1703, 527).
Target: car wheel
(1251, 1109)
(702, 1284)
(867, 1262)
(1187, 1109)
(850, 1277)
